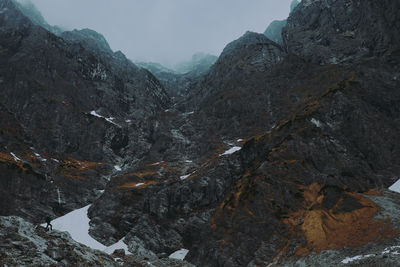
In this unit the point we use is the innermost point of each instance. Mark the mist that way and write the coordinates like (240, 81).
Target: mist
(165, 31)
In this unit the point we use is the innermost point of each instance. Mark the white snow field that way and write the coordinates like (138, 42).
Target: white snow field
(395, 187)
(76, 223)
(231, 151)
(179, 254)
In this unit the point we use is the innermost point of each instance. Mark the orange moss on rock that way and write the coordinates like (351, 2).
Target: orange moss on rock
(142, 174)
(333, 229)
(8, 159)
(75, 169)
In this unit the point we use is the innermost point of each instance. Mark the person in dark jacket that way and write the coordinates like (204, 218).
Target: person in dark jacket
(49, 226)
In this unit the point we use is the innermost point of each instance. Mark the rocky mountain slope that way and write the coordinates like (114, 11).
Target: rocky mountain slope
(66, 111)
(277, 155)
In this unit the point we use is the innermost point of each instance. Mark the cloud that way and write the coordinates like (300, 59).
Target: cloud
(166, 31)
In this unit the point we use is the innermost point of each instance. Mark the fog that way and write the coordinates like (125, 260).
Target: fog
(165, 31)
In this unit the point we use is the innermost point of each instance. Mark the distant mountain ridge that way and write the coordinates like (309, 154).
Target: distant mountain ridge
(30, 10)
(274, 30)
(199, 63)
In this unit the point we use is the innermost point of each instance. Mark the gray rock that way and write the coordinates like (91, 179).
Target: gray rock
(24, 244)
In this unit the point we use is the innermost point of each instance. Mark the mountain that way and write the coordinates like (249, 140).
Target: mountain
(67, 111)
(178, 81)
(92, 40)
(30, 10)
(199, 63)
(176, 84)
(277, 155)
(274, 29)
(316, 137)
(350, 35)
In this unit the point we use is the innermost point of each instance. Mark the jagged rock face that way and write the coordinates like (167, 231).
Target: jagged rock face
(58, 99)
(326, 137)
(269, 210)
(24, 244)
(236, 87)
(337, 31)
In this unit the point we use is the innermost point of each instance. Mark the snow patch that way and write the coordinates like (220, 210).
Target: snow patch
(117, 167)
(395, 187)
(110, 119)
(76, 223)
(39, 157)
(139, 184)
(188, 161)
(179, 255)
(56, 160)
(316, 122)
(231, 151)
(358, 257)
(94, 113)
(157, 163)
(183, 177)
(389, 250)
(239, 140)
(15, 157)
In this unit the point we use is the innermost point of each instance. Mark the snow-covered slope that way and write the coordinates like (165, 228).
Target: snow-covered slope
(76, 223)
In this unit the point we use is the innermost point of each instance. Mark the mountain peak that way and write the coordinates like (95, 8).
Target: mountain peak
(247, 39)
(90, 38)
(28, 8)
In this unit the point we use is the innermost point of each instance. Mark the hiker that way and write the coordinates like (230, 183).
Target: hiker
(48, 221)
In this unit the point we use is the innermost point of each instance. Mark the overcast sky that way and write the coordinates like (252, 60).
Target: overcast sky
(165, 31)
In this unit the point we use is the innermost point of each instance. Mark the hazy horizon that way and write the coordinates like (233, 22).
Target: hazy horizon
(165, 32)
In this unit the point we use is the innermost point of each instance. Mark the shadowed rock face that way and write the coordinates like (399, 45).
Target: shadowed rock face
(315, 139)
(256, 218)
(51, 87)
(337, 31)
